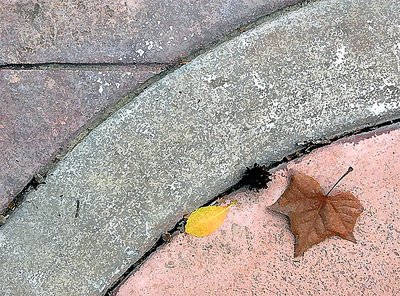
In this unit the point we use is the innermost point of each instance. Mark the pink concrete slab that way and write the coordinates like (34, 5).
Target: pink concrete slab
(41, 110)
(252, 253)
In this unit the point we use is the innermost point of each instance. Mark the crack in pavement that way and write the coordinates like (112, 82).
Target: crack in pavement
(78, 66)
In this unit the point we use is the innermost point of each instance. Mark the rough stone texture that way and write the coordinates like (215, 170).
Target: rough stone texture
(326, 68)
(252, 253)
(127, 31)
(41, 110)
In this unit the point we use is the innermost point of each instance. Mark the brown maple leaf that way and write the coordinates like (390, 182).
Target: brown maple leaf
(315, 217)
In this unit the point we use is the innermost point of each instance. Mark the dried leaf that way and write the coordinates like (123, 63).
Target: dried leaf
(314, 216)
(206, 220)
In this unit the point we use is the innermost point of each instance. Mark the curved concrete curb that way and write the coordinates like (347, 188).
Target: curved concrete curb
(319, 71)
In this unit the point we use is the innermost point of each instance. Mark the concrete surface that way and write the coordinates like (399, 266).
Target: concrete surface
(323, 69)
(252, 253)
(41, 110)
(119, 31)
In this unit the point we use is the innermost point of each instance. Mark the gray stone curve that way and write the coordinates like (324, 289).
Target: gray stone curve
(327, 68)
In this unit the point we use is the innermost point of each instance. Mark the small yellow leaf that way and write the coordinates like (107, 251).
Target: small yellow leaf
(206, 220)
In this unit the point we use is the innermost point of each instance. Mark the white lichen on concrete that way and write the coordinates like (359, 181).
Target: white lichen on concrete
(140, 52)
(340, 56)
(382, 107)
(258, 82)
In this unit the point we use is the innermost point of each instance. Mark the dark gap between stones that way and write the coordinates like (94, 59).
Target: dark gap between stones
(77, 66)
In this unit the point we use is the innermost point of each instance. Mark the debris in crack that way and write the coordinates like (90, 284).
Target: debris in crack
(33, 184)
(11, 205)
(308, 146)
(166, 236)
(256, 177)
(37, 180)
(180, 226)
(2, 219)
(77, 208)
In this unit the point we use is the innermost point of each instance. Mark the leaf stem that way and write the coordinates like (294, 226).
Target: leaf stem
(232, 203)
(350, 169)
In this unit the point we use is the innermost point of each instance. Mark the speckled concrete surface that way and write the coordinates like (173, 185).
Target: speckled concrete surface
(41, 110)
(190, 135)
(252, 253)
(119, 31)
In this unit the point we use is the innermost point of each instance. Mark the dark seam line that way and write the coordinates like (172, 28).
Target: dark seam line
(66, 66)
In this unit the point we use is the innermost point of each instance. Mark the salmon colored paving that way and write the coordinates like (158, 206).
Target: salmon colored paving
(252, 253)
